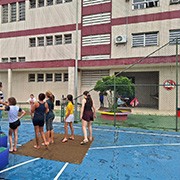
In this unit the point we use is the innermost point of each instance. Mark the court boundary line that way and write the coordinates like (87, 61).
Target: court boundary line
(18, 165)
(61, 171)
(135, 145)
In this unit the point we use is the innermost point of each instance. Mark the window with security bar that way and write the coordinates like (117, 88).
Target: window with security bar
(32, 42)
(32, 4)
(40, 3)
(13, 12)
(174, 36)
(21, 11)
(4, 13)
(67, 38)
(58, 39)
(142, 4)
(40, 41)
(58, 77)
(59, 1)
(145, 39)
(40, 77)
(49, 77)
(4, 60)
(49, 40)
(31, 77)
(49, 2)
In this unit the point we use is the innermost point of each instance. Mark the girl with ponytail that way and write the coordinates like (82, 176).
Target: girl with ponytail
(88, 113)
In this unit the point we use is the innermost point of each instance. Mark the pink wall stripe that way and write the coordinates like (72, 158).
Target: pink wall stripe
(146, 18)
(2, 2)
(103, 8)
(84, 63)
(96, 29)
(32, 32)
(96, 50)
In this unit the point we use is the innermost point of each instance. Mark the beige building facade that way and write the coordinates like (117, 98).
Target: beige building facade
(44, 44)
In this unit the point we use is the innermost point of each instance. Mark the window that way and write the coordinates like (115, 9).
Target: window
(32, 3)
(49, 2)
(58, 77)
(40, 3)
(58, 39)
(174, 2)
(67, 1)
(40, 77)
(31, 78)
(173, 35)
(49, 77)
(32, 42)
(13, 12)
(40, 41)
(4, 60)
(68, 38)
(13, 59)
(4, 13)
(59, 1)
(21, 11)
(49, 40)
(145, 39)
(65, 77)
(21, 59)
(142, 4)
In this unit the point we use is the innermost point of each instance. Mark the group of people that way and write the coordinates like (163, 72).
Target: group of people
(42, 112)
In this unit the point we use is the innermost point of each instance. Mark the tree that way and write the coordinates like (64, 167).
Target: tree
(122, 85)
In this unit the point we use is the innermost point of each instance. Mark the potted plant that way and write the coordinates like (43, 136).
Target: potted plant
(113, 87)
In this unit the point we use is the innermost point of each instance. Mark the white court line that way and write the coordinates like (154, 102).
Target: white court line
(17, 165)
(132, 146)
(61, 171)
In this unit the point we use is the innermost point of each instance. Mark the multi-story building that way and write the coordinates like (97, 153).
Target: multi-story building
(45, 44)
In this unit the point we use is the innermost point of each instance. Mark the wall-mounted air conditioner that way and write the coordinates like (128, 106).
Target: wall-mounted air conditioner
(120, 39)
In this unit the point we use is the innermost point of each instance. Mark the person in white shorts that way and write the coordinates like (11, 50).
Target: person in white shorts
(69, 119)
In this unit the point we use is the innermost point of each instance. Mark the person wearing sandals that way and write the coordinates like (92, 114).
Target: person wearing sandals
(14, 121)
(69, 119)
(87, 115)
(50, 117)
(40, 109)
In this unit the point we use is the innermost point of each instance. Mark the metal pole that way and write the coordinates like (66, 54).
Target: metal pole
(177, 84)
(76, 65)
(114, 100)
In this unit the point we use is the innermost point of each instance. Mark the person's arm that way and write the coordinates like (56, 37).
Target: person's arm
(2, 108)
(82, 108)
(94, 110)
(47, 107)
(22, 114)
(34, 106)
(68, 111)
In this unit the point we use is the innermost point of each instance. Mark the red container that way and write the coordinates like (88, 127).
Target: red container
(178, 112)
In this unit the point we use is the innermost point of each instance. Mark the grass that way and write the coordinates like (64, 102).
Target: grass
(149, 122)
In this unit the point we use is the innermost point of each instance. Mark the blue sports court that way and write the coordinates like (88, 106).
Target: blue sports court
(115, 154)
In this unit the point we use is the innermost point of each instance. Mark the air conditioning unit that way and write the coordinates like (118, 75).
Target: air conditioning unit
(174, 1)
(120, 39)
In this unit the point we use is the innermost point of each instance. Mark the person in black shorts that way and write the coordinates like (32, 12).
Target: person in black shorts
(39, 108)
(14, 121)
(88, 113)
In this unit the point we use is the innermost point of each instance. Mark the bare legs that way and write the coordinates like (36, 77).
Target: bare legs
(11, 132)
(65, 139)
(50, 136)
(39, 130)
(84, 129)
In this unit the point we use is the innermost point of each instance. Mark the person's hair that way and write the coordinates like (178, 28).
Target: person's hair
(32, 95)
(41, 96)
(50, 95)
(88, 99)
(70, 98)
(0, 84)
(12, 101)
